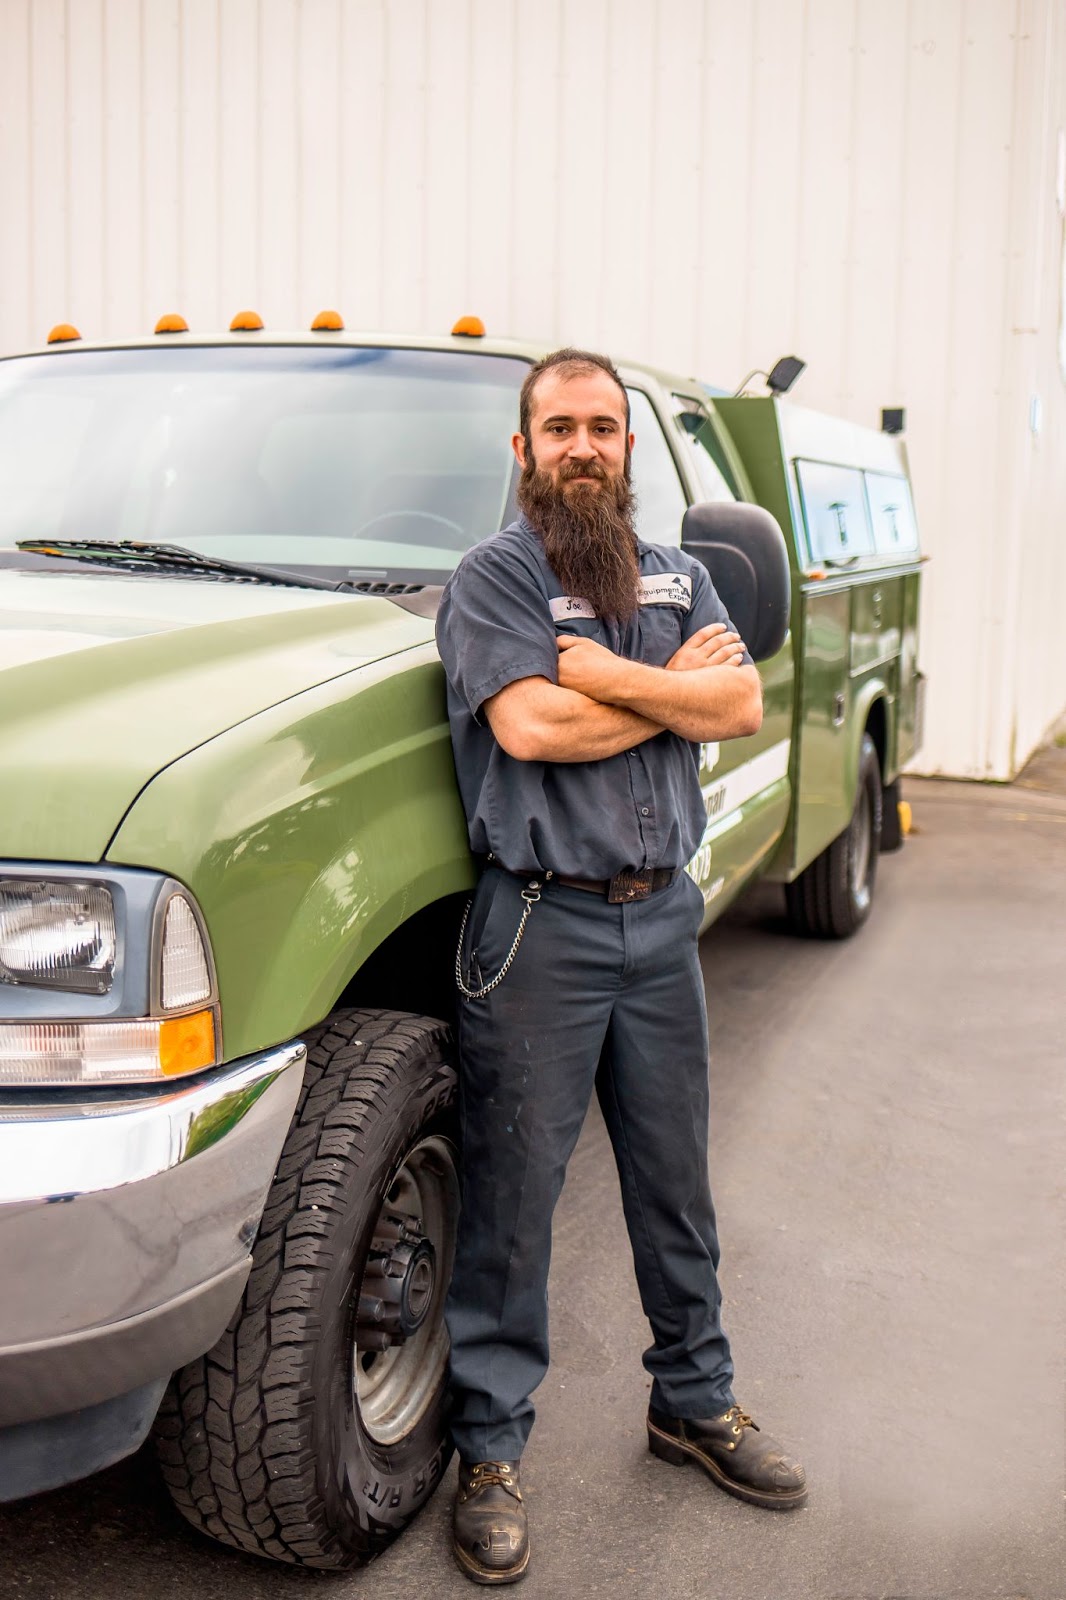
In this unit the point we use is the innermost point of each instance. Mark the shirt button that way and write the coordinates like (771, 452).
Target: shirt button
(645, 812)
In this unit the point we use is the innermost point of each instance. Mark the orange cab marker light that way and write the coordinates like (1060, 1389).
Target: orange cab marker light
(470, 328)
(187, 1044)
(328, 322)
(172, 323)
(63, 333)
(246, 322)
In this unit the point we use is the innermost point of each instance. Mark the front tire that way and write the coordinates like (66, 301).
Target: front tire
(834, 895)
(315, 1429)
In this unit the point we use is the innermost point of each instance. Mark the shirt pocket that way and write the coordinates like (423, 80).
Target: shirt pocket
(580, 628)
(660, 633)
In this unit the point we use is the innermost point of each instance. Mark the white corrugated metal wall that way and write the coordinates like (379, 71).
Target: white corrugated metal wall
(701, 183)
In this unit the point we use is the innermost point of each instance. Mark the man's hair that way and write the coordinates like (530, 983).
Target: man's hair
(570, 363)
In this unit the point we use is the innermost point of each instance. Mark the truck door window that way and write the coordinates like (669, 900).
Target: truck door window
(661, 500)
(834, 511)
(701, 449)
(892, 514)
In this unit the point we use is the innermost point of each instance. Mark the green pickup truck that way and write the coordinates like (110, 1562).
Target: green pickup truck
(233, 865)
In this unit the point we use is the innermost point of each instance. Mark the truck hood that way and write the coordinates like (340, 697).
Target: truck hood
(107, 678)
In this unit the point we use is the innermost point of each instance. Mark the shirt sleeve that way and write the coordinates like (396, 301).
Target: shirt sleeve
(706, 608)
(494, 627)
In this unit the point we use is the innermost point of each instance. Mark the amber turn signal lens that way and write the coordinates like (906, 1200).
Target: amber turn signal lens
(172, 323)
(187, 1044)
(328, 322)
(63, 333)
(470, 328)
(246, 322)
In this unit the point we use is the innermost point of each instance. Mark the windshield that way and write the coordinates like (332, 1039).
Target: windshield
(349, 463)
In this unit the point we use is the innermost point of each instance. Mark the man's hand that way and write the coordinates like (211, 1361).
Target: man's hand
(696, 701)
(590, 668)
(712, 646)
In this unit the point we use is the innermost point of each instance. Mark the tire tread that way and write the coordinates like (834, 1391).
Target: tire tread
(233, 1435)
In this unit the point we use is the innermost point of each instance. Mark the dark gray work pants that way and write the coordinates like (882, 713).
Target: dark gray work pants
(602, 994)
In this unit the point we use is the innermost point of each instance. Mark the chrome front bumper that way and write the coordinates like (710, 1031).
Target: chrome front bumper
(126, 1227)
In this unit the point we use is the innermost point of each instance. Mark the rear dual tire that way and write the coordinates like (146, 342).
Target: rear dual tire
(834, 895)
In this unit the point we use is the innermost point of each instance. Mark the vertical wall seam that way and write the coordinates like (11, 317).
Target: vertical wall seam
(904, 161)
(105, 172)
(516, 167)
(220, 171)
(299, 154)
(383, 160)
(648, 320)
(749, 240)
(342, 154)
(557, 188)
(68, 287)
(31, 187)
(801, 180)
(179, 145)
(944, 382)
(701, 167)
(512, 163)
(142, 176)
(423, 181)
(846, 385)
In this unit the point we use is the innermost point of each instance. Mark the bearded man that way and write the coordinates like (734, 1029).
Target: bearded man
(584, 666)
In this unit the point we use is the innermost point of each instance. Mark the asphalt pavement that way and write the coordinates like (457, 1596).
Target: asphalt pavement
(888, 1156)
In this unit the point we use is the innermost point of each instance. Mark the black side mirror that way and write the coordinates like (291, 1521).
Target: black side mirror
(743, 549)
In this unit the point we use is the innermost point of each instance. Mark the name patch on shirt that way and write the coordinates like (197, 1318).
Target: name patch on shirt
(667, 589)
(570, 605)
(656, 589)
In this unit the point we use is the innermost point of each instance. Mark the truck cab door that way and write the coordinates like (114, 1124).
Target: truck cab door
(745, 781)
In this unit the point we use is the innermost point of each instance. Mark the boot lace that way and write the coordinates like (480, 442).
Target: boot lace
(490, 1472)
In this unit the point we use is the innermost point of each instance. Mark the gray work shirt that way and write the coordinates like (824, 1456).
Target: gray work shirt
(498, 621)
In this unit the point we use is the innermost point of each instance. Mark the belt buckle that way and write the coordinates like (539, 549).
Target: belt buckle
(629, 885)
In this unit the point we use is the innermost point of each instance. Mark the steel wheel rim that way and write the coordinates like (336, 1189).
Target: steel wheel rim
(861, 842)
(393, 1388)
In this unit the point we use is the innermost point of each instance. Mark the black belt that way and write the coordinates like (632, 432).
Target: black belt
(632, 884)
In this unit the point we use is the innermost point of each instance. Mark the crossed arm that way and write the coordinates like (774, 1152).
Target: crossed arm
(604, 704)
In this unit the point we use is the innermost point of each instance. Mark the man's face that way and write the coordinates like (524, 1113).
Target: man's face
(578, 432)
(575, 488)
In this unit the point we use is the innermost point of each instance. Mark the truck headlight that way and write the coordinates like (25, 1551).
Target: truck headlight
(104, 979)
(59, 935)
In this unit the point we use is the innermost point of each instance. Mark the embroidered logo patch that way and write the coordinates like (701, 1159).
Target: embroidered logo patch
(667, 589)
(570, 605)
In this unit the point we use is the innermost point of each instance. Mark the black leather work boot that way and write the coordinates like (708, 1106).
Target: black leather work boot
(489, 1532)
(735, 1452)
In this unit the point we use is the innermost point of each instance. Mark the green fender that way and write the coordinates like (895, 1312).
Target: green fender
(308, 833)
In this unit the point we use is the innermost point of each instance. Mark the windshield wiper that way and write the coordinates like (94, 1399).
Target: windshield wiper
(135, 556)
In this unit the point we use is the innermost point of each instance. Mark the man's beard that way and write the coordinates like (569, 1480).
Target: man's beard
(587, 532)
